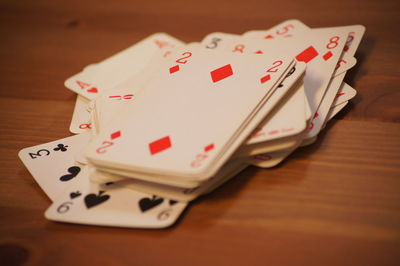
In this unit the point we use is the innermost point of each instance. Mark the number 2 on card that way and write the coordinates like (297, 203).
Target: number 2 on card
(275, 66)
(182, 60)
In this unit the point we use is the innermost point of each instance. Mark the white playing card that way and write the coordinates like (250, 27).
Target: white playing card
(120, 66)
(284, 142)
(80, 121)
(332, 112)
(53, 165)
(160, 179)
(112, 102)
(269, 159)
(320, 115)
(177, 193)
(259, 116)
(288, 120)
(169, 142)
(344, 64)
(355, 34)
(345, 93)
(270, 146)
(89, 203)
(171, 180)
(112, 105)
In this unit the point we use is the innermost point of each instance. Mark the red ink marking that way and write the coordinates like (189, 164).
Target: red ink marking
(221, 73)
(160, 145)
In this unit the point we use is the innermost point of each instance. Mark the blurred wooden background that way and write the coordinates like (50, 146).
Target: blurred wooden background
(336, 202)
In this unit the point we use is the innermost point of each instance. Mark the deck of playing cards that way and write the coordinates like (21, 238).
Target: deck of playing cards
(163, 122)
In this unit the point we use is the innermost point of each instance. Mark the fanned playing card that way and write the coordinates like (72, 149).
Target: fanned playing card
(108, 73)
(80, 121)
(229, 170)
(354, 35)
(161, 134)
(89, 203)
(53, 164)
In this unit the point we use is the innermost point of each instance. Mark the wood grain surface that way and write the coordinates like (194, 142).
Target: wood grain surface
(336, 202)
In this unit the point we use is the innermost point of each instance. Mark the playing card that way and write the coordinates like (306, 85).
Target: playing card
(177, 193)
(166, 139)
(334, 110)
(288, 120)
(355, 34)
(52, 164)
(170, 179)
(113, 205)
(111, 110)
(81, 117)
(274, 155)
(344, 64)
(121, 66)
(117, 174)
(345, 93)
(321, 114)
(270, 146)
(112, 102)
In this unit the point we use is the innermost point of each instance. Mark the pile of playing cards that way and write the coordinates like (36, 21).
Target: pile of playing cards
(163, 122)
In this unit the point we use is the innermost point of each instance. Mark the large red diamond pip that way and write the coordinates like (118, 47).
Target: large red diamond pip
(307, 55)
(160, 145)
(221, 73)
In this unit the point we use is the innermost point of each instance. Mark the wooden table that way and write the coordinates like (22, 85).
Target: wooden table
(336, 202)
